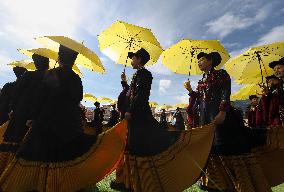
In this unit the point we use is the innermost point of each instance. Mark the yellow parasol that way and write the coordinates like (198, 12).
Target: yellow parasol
(121, 38)
(89, 97)
(29, 65)
(165, 107)
(104, 100)
(86, 57)
(181, 58)
(52, 55)
(153, 104)
(246, 91)
(181, 105)
(252, 66)
(113, 102)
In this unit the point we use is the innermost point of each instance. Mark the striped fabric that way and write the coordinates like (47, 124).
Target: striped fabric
(100, 160)
(176, 168)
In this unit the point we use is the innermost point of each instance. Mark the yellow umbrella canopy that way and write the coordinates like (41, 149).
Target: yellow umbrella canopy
(113, 102)
(181, 105)
(86, 57)
(89, 97)
(181, 58)
(29, 65)
(253, 65)
(52, 55)
(165, 106)
(104, 100)
(246, 91)
(121, 38)
(153, 104)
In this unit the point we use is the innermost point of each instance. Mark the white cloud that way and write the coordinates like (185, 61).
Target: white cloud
(24, 20)
(229, 22)
(159, 68)
(5, 70)
(182, 99)
(164, 85)
(275, 34)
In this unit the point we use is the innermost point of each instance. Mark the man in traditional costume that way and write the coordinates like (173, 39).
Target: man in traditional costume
(98, 118)
(251, 111)
(163, 119)
(114, 116)
(179, 121)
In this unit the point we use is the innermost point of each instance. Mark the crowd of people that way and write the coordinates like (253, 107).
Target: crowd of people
(42, 127)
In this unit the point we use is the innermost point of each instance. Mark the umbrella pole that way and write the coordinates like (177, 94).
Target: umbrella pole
(260, 61)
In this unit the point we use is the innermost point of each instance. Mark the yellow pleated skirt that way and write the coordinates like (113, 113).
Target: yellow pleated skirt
(175, 169)
(102, 158)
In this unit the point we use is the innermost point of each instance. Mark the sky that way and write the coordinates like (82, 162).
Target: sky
(238, 24)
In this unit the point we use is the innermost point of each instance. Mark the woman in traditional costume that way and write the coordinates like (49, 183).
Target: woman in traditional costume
(159, 160)
(25, 92)
(55, 154)
(229, 165)
(6, 95)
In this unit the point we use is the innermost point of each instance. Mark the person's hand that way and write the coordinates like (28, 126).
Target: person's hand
(123, 76)
(264, 90)
(219, 118)
(127, 116)
(10, 115)
(29, 123)
(187, 85)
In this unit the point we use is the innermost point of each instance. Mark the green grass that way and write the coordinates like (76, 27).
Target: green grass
(103, 186)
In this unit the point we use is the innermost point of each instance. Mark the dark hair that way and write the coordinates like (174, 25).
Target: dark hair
(215, 57)
(41, 63)
(96, 103)
(252, 97)
(67, 56)
(19, 71)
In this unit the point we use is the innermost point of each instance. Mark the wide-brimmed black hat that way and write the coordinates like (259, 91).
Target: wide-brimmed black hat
(252, 97)
(215, 57)
(141, 53)
(67, 55)
(97, 103)
(41, 62)
(19, 71)
(274, 63)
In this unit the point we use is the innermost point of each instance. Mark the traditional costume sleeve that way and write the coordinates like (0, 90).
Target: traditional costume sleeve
(6, 97)
(261, 112)
(121, 101)
(19, 89)
(225, 85)
(281, 103)
(191, 111)
(143, 87)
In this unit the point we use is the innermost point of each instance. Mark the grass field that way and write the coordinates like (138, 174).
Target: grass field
(103, 186)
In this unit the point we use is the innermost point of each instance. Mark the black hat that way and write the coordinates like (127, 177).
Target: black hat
(41, 62)
(141, 53)
(271, 77)
(274, 63)
(252, 97)
(96, 103)
(215, 57)
(19, 71)
(67, 55)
